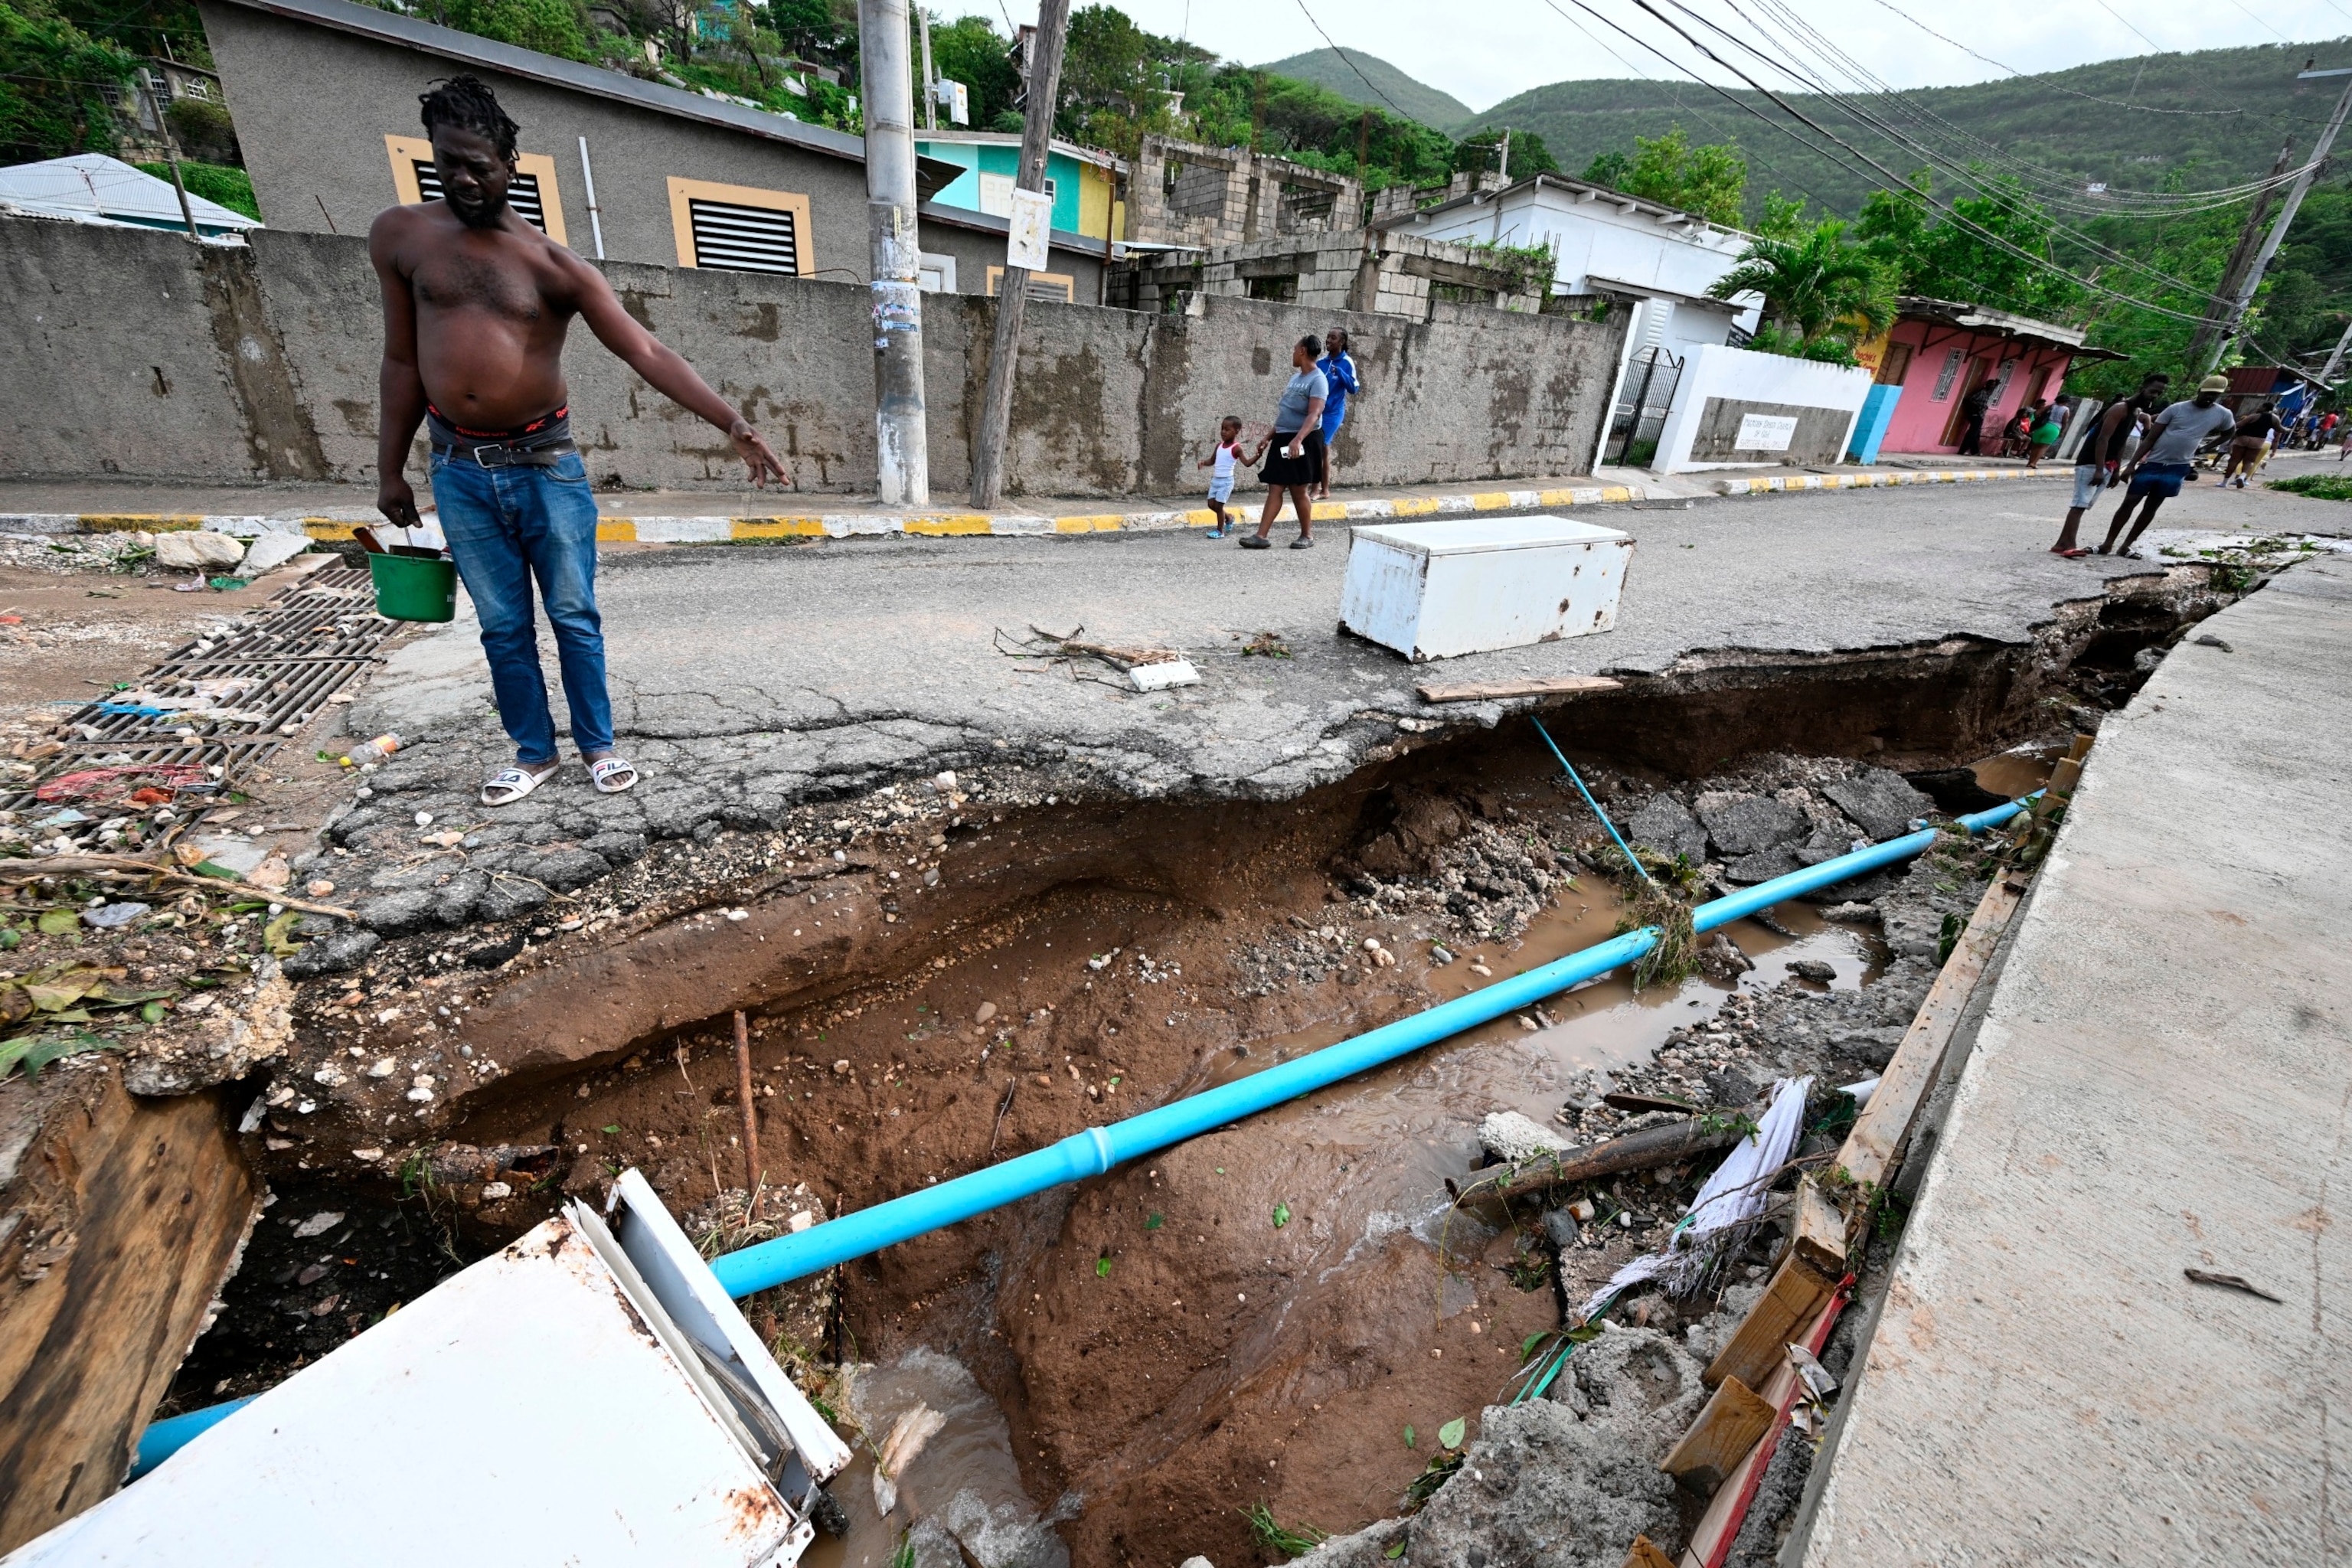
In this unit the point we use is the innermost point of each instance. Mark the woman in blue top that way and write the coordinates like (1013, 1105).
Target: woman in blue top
(1339, 369)
(1298, 460)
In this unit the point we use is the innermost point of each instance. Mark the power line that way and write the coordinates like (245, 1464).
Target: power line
(2013, 71)
(1351, 65)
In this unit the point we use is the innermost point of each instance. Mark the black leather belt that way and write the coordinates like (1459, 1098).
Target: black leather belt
(540, 449)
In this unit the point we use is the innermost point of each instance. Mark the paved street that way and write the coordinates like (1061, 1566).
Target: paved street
(768, 670)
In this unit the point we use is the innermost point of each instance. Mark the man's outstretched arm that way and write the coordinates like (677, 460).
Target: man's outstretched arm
(667, 373)
(399, 390)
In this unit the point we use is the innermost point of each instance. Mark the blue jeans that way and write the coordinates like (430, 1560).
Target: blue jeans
(508, 527)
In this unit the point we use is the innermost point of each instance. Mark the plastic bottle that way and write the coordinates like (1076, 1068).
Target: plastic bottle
(379, 749)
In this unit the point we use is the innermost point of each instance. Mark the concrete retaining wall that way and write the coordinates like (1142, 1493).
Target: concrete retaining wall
(139, 355)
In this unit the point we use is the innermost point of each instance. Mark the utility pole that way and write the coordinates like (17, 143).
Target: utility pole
(2249, 238)
(2335, 359)
(1012, 289)
(930, 83)
(902, 447)
(2245, 295)
(170, 155)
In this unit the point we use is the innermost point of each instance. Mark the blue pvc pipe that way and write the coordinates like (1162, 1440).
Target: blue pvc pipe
(1098, 1149)
(166, 1438)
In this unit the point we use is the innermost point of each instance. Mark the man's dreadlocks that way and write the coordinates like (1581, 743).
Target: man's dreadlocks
(467, 103)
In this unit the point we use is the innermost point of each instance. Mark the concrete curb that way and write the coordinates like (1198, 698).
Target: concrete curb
(720, 530)
(1759, 485)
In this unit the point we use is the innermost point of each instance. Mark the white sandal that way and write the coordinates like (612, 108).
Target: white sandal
(603, 770)
(509, 785)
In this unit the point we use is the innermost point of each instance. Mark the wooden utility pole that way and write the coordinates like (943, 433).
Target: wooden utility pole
(170, 155)
(1012, 289)
(2244, 297)
(2249, 238)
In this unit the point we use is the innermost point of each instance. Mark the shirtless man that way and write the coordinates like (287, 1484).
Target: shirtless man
(476, 306)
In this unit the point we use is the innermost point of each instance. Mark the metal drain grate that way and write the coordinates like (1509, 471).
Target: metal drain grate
(221, 704)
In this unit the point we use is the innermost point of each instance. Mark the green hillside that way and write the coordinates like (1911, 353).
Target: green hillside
(1329, 70)
(2048, 120)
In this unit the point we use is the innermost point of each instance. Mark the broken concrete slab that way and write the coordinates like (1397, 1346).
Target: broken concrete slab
(1882, 804)
(1665, 825)
(1740, 823)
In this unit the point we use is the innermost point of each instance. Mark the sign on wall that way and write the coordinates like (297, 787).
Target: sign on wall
(1765, 433)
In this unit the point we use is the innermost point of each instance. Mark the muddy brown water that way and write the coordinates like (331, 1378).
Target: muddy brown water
(1369, 1239)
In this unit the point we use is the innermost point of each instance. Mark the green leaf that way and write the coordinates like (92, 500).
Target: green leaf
(57, 996)
(1410, 1440)
(279, 934)
(1102, 1267)
(1152, 1222)
(57, 922)
(1450, 1435)
(1395, 1552)
(1281, 1216)
(152, 1012)
(1527, 1346)
(38, 1051)
(615, 1127)
(9, 938)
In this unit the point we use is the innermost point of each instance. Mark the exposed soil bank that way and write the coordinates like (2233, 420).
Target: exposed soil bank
(943, 972)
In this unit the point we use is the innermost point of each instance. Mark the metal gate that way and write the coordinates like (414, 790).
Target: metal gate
(1640, 412)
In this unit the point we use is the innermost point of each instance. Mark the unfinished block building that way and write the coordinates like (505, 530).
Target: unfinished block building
(1362, 269)
(1185, 194)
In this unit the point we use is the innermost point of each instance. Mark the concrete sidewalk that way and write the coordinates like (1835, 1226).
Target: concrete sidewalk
(330, 513)
(2163, 1081)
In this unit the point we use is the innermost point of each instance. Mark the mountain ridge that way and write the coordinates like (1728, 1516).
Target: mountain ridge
(1336, 72)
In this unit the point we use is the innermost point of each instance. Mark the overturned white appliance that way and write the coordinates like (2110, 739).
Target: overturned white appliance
(587, 1396)
(1436, 590)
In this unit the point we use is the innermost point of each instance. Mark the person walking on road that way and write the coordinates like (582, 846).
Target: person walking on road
(1298, 460)
(2166, 456)
(2247, 443)
(476, 303)
(2101, 453)
(1338, 369)
(2042, 438)
(1972, 418)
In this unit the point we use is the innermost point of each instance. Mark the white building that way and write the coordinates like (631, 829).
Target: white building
(1655, 260)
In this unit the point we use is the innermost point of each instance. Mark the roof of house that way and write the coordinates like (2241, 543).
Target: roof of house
(1984, 317)
(409, 32)
(90, 187)
(1585, 190)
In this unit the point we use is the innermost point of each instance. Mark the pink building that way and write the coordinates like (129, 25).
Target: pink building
(1940, 350)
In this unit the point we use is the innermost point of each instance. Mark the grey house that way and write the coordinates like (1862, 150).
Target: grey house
(324, 96)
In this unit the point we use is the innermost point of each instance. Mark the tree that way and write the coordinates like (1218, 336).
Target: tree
(53, 76)
(551, 26)
(1819, 293)
(1951, 255)
(1708, 181)
(973, 52)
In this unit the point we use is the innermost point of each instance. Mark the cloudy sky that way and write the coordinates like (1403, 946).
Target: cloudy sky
(1483, 51)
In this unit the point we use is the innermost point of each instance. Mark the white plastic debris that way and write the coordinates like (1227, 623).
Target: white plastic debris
(1161, 676)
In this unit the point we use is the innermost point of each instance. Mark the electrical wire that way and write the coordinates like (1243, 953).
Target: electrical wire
(2008, 200)
(2086, 96)
(2060, 188)
(1999, 241)
(1351, 65)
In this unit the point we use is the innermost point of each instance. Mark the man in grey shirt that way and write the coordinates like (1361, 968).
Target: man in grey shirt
(2167, 456)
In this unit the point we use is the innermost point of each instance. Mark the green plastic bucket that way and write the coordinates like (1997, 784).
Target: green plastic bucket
(411, 588)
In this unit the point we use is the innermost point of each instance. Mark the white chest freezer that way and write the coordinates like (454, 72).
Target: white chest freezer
(589, 1396)
(1436, 590)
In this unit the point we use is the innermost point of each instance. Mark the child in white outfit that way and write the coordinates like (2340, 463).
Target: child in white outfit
(1222, 462)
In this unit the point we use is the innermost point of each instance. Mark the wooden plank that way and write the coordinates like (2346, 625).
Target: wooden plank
(1790, 1300)
(1879, 1132)
(1735, 1419)
(1645, 1553)
(130, 1212)
(1718, 1528)
(1494, 691)
(1819, 1232)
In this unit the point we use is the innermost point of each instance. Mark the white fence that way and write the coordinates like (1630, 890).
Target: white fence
(1736, 408)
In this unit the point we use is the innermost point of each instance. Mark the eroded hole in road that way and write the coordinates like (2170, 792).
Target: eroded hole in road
(1260, 1315)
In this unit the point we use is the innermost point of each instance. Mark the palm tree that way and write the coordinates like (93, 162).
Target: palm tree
(1814, 285)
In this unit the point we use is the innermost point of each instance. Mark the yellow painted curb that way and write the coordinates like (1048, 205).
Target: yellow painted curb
(616, 529)
(945, 526)
(138, 523)
(771, 528)
(1490, 500)
(1103, 522)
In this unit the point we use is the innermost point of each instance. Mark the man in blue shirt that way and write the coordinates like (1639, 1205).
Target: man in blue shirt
(1339, 369)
